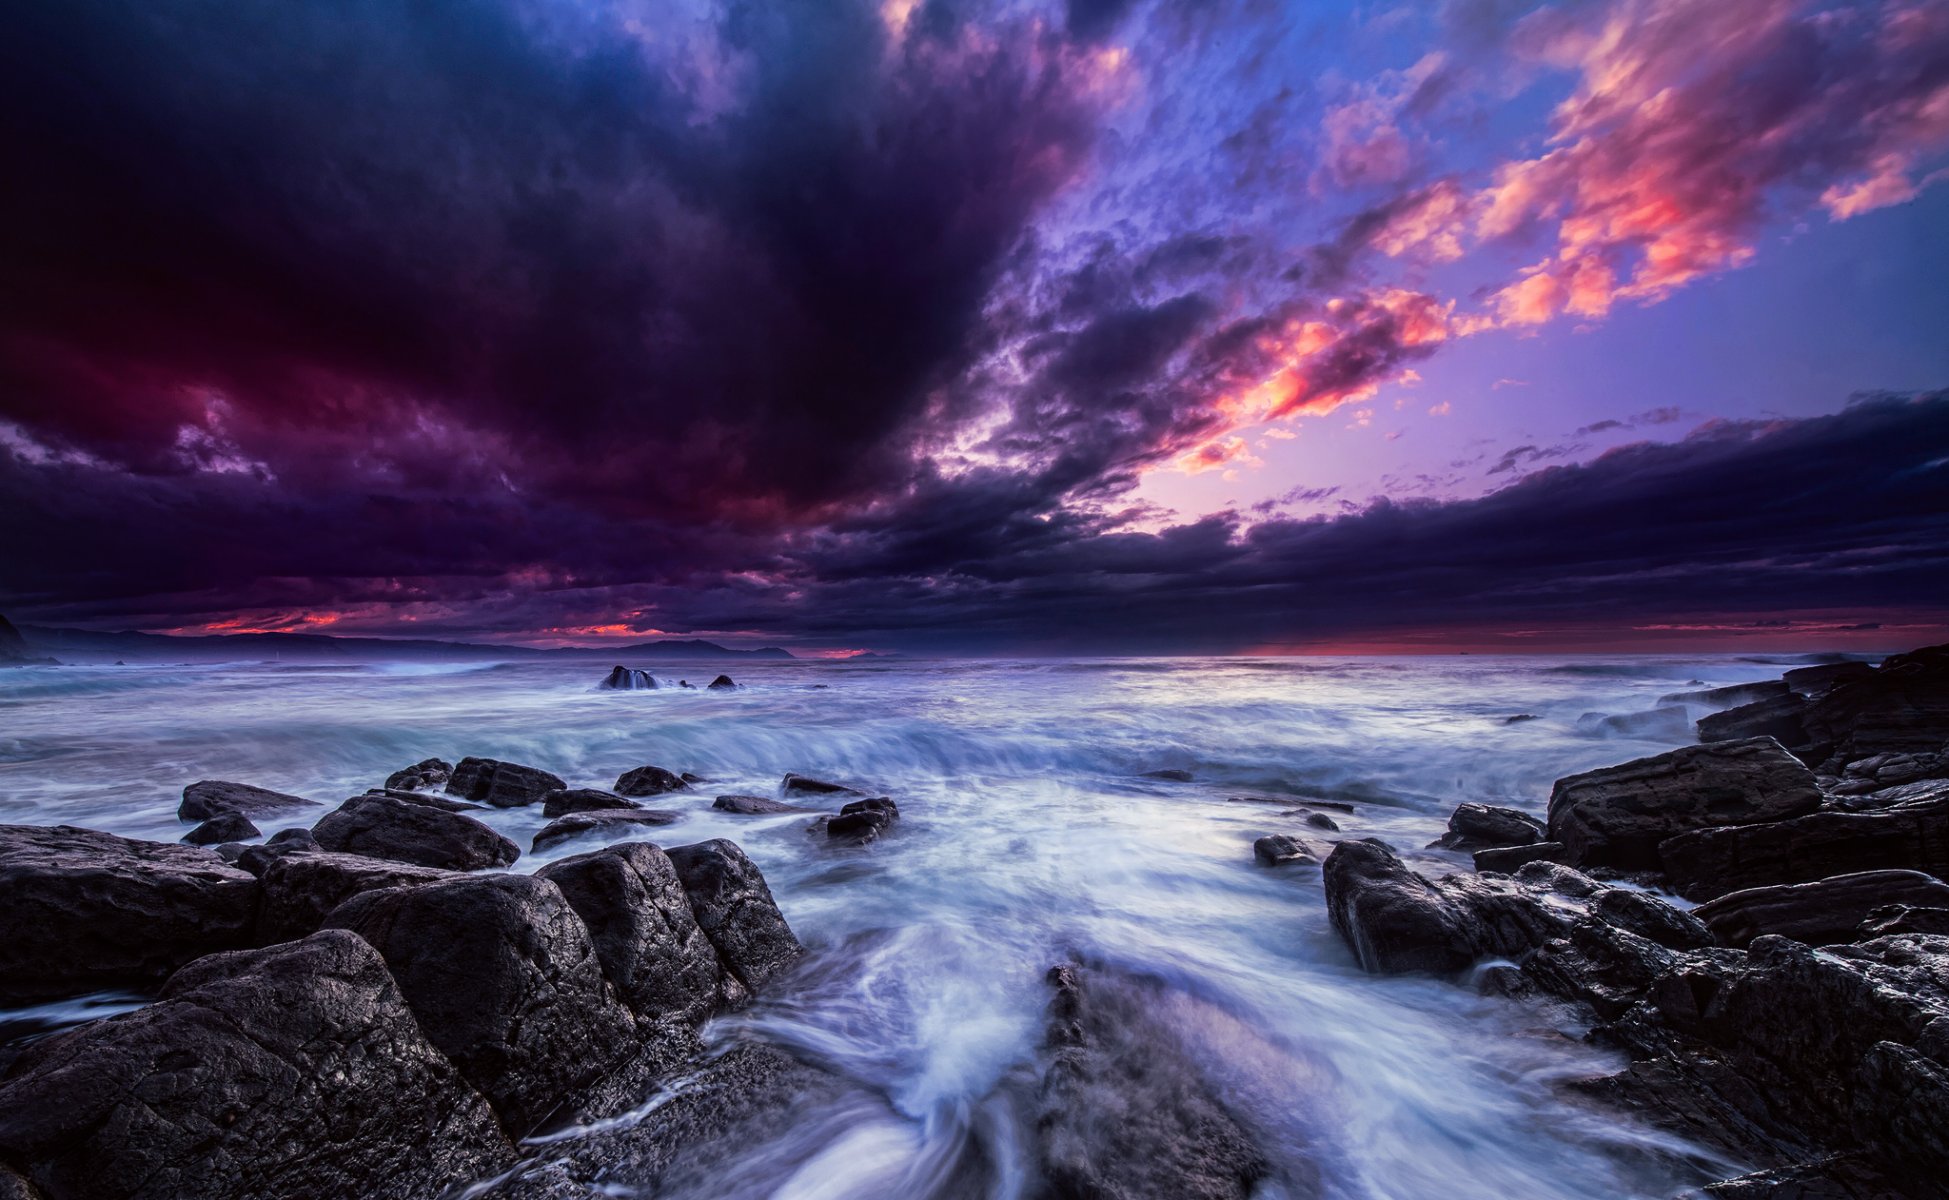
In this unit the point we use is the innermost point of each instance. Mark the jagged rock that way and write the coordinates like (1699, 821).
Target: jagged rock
(1902, 918)
(805, 783)
(12, 1185)
(649, 943)
(722, 683)
(608, 822)
(426, 773)
(1711, 862)
(735, 909)
(1833, 1177)
(1509, 859)
(649, 781)
(288, 1073)
(1168, 775)
(501, 784)
(1652, 919)
(1818, 680)
(1485, 827)
(1278, 849)
(285, 841)
(1123, 1112)
(503, 977)
(1902, 708)
(82, 911)
(863, 821)
(228, 827)
(1782, 718)
(1599, 964)
(575, 800)
(1890, 778)
(300, 890)
(1669, 721)
(215, 797)
(753, 806)
(1617, 816)
(382, 827)
(626, 679)
(1730, 696)
(1829, 910)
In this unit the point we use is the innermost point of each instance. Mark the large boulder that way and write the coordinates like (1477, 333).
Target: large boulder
(382, 827)
(216, 797)
(1829, 910)
(735, 909)
(503, 977)
(1486, 826)
(649, 943)
(501, 784)
(1902, 708)
(1617, 816)
(1782, 718)
(426, 773)
(1911, 836)
(611, 823)
(301, 889)
(288, 1073)
(575, 800)
(81, 910)
(649, 781)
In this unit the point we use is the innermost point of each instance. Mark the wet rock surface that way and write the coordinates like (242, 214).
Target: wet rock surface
(574, 800)
(216, 797)
(794, 782)
(862, 821)
(628, 679)
(649, 781)
(300, 890)
(755, 806)
(608, 822)
(1485, 826)
(735, 909)
(1711, 862)
(424, 774)
(382, 827)
(501, 784)
(1278, 849)
(225, 827)
(1828, 910)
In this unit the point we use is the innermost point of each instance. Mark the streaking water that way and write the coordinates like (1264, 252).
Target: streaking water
(1027, 839)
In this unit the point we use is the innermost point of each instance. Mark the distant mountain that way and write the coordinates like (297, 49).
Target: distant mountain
(91, 645)
(13, 648)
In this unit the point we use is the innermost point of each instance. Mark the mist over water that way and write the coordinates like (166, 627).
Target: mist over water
(1027, 838)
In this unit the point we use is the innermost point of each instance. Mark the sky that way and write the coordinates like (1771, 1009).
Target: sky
(1010, 327)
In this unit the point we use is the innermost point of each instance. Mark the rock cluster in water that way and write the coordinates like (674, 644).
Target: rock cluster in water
(1798, 1018)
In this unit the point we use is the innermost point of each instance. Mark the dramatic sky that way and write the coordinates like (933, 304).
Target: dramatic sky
(996, 327)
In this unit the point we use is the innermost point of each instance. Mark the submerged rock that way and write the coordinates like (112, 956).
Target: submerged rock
(1168, 775)
(608, 822)
(503, 976)
(382, 827)
(735, 909)
(649, 781)
(82, 911)
(1830, 910)
(805, 783)
(752, 806)
(216, 797)
(574, 800)
(1277, 849)
(863, 821)
(722, 683)
(628, 679)
(227, 827)
(289, 1073)
(501, 784)
(426, 773)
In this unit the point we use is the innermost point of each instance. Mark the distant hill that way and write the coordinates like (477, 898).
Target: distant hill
(14, 651)
(94, 646)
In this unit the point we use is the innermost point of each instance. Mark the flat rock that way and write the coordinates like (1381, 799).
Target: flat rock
(83, 911)
(1711, 862)
(503, 976)
(300, 890)
(1824, 678)
(1782, 718)
(649, 781)
(574, 800)
(501, 784)
(225, 827)
(755, 806)
(426, 773)
(819, 787)
(288, 1073)
(1901, 708)
(735, 909)
(1508, 860)
(215, 797)
(427, 800)
(1817, 913)
(382, 827)
(605, 822)
(1617, 816)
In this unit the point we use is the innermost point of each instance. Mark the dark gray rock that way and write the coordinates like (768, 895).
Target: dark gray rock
(215, 797)
(1277, 849)
(382, 827)
(503, 977)
(818, 787)
(1485, 827)
(1902, 918)
(754, 806)
(285, 841)
(288, 1073)
(608, 822)
(863, 821)
(627, 679)
(1782, 718)
(1617, 816)
(649, 781)
(227, 827)
(1509, 859)
(83, 911)
(649, 943)
(1829, 910)
(501, 784)
(1824, 678)
(575, 800)
(1652, 919)
(1711, 862)
(1670, 721)
(1831, 1177)
(722, 683)
(1320, 820)
(1168, 775)
(1730, 696)
(300, 890)
(426, 773)
(735, 909)
(1123, 1111)
(427, 800)
(1902, 708)
(1598, 964)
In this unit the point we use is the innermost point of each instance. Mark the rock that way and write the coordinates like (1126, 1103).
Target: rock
(1729, 697)
(1278, 849)
(722, 683)
(288, 1073)
(1670, 721)
(1902, 918)
(300, 890)
(81, 911)
(625, 679)
(1819, 680)
(1617, 816)
(1652, 919)
(1509, 859)
(215, 797)
(382, 827)
(427, 800)
(863, 821)
(1485, 826)
(501, 784)
(1782, 718)
(1830, 910)
(1168, 775)
(285, 841)
(649, 781)
(228, 827)
(1902, 708)
(1833, 1177)
(805, 783)
(1599, 965)
(752, 806)
(426, 773)
(649, 943)
(1518, 718)
(1123, 1111)
(12, 1186)
(607, 822)
(1885, 779)
(735, 909)
(574, 800)
(1322, 821)
(503, 977)
(1711, 862)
